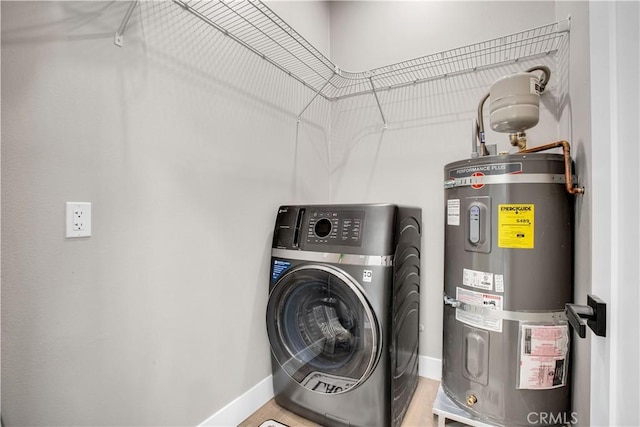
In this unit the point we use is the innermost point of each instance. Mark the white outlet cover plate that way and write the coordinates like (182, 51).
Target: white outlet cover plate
(78, 219)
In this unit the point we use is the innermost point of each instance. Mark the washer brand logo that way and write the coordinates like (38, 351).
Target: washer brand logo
(515, 208)
(367, 275)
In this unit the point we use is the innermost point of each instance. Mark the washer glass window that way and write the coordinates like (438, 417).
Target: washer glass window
(322, 330)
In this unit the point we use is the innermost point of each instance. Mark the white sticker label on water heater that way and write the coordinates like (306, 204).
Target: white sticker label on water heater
(477, 279)
(480, 300)
(543, 356)
(453, 212)
(499, 279)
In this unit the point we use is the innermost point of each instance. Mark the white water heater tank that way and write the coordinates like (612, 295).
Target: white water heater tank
(514, 103)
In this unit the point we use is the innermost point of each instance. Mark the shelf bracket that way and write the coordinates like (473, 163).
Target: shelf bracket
(375, 94)
(315, 96)
(118, 39)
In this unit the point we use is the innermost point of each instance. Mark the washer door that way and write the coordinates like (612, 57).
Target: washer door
(322, 330)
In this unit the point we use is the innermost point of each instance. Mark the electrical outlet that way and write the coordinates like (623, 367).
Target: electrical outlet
(78, 219)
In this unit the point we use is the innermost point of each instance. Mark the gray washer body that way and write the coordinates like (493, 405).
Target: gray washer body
(390, 291)
(537, 279)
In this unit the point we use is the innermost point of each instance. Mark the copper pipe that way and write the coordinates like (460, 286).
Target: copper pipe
(567, 163)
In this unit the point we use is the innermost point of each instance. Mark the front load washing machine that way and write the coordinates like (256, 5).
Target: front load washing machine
(343, 312)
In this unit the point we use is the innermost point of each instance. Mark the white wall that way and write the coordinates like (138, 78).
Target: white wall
(185, 143)
(309, 18)
(429, 124)
(615, 90)
(371, 34)
(575, 116)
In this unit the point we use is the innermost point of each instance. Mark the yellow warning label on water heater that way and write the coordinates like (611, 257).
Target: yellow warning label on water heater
(515, 226)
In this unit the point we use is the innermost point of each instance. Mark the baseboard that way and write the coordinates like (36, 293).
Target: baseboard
(430, 367)
(243, 406)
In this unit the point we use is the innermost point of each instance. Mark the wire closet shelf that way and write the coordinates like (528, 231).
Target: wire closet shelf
(256, 27)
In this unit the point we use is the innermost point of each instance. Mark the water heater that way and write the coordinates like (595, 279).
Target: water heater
(508, 270)
(508, 275)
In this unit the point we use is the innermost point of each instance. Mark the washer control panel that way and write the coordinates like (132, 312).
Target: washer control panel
(335, 227)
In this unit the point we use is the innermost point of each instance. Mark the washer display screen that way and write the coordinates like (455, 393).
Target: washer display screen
(340, 227)
(322, 228)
